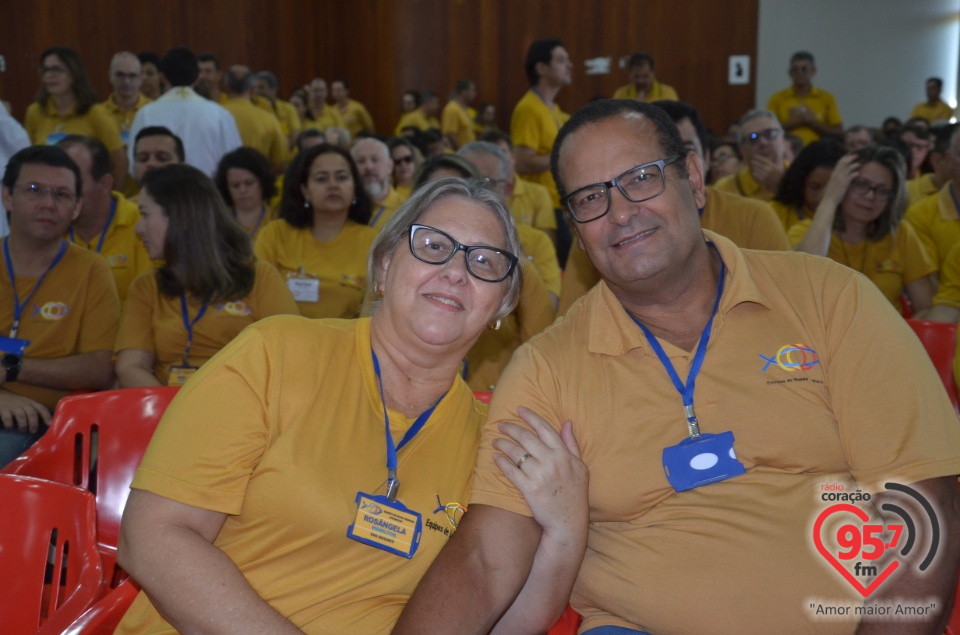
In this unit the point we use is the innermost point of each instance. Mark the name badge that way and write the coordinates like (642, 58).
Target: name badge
(304, 289)
(386, 525)
(180, 374)
(125, 137)
(696, 462)
(54, 138)
(13, 345)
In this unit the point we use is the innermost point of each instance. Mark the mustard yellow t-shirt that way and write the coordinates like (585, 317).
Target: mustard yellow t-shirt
(122, 248)
(492, 351)
(383, 211)
(535, 125)
(269, 213)
(920, 188)
(259, 129)
(657, 92)
(153, 322)
(329, 117)
(539, 250)
(46, 126)
(74, 310)
(339, 265)
(795, 430)
(821, 103)
(891, 263)
(937, 112)
(417, 119)
(356, 117)
(530, 204)
(456, 122)
(937, 221)
(280, 431)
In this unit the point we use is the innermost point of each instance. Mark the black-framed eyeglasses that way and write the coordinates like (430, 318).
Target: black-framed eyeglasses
(638, 184)
(862, 187)
(434, 247)
(769, 134)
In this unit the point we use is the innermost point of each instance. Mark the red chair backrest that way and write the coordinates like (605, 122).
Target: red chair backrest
(940, 340)
(96, 442)
(568, 623)
(40, 518)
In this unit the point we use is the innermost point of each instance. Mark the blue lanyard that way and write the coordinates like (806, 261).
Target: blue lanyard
(188, 323)
(376, 217)
(956, 203)
(106, 228)
(263, 212)
(800, 214)
(17, 305)
(686, 390)
(393, 483)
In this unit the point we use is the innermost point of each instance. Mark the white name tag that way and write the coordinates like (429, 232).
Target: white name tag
(304, 289)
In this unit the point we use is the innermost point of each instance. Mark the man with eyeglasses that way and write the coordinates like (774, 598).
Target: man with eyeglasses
(762, 145)
(937, 217)
(124, 102)
(803, 109)
(749, 223)
(60, 309)
(707, 448)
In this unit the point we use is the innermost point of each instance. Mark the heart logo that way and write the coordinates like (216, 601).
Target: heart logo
(829, 557)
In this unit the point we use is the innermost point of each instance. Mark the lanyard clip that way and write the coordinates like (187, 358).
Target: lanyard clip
(393, 486)
(692, 422)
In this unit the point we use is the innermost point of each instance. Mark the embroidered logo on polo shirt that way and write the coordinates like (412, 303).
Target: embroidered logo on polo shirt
(117, 260)
(791, 358)
(888, 265)
(52, 311)
(354, 281)
(238, 308)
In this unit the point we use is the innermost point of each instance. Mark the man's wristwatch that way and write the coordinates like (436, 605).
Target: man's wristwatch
(12, 364)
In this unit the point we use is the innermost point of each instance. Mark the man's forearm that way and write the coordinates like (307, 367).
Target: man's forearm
(73, 372)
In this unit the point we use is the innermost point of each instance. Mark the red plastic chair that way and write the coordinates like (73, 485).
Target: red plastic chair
(940, 340)
(96, 442)
(104, 616)
(51, 570)
(568, 623)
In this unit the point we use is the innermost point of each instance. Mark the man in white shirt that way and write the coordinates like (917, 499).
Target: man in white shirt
(207, 129)
(13, 138)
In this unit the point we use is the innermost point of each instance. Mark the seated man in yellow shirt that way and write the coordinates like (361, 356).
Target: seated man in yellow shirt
(372, 157)
(456, 124)
(60, 309)
(761, 144)
(258, 128)
(423, 117)
(266, 85)
(643, 81)
(107, 221)
(939, 159)
(937, 217)
(934, 109)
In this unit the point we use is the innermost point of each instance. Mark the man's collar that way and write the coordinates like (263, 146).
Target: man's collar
(739, 288)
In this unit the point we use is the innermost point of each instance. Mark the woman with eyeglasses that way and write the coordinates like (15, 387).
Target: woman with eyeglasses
(858, 224)
(67, 104)
(308, 476)
(535, 309)
(321, 240)
(246, 184)
(406, 160)
(208, 289)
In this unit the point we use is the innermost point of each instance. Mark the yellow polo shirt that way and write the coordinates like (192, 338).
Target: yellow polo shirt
(940, 111)
(416, 119)
(657, 92)
(535, 125)
(920, 188)
(456, 122)
(329, 117)
(821, 103)
(122, 248)
(258, 129)
(356, 117)
(744, 184)
(530, 204)
(46, 126)
(383, 210)
(937, 222)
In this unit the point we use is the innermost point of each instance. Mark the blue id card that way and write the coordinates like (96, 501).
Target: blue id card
(386, 525)
(13, 345)
(696, 462)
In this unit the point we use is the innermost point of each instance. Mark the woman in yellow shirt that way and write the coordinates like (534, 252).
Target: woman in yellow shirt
(803, 184)
(321, 240)
(67, 104)
(858, 224)
(208, 289)
(310, 474)
(406, 161)
(247, 185)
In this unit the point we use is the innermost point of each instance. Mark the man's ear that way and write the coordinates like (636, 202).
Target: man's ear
(697, 176)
